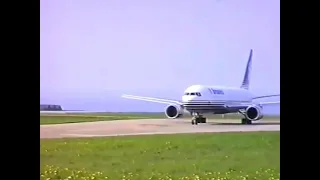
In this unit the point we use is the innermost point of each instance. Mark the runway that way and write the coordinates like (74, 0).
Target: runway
(151, 126)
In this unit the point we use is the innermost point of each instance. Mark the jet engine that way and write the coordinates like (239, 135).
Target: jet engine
(173, 111)
(254, 113)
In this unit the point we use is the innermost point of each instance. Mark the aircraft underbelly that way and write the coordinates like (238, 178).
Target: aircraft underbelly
(205, 107)
(209, 107)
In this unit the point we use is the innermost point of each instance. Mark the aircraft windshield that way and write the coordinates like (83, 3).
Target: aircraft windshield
(192, 94)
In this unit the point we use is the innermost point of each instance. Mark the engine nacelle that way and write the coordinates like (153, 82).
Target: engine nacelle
(254, 113)
(173, 111)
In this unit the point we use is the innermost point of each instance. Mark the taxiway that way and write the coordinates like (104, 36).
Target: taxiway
(151, 126)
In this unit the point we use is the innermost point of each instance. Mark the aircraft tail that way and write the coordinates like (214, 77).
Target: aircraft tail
(246, 79)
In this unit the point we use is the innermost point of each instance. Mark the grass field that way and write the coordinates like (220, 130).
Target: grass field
(75, 118)
(223, 156)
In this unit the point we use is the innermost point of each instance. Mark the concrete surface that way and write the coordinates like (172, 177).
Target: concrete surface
(151, 126)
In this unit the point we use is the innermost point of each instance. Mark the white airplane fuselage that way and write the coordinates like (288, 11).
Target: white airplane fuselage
(215, 99)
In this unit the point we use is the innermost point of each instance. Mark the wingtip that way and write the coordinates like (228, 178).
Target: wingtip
(127, 95)
(124, 95)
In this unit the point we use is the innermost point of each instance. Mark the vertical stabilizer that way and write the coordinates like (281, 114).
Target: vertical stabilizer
(246, 79)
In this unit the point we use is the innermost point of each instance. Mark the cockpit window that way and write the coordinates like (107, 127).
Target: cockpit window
(193, 94)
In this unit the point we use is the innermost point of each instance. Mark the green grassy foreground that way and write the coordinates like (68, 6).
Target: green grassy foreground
(77, 117)
(227, 156)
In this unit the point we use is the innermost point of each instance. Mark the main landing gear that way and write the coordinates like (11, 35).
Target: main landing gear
(246, 121)
(197, 118)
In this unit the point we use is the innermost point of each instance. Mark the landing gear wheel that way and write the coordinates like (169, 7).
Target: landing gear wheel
(194, 121)
(246, 121)
(202, 120)
(243, 121)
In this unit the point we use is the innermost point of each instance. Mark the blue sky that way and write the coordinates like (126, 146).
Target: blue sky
(95, 50)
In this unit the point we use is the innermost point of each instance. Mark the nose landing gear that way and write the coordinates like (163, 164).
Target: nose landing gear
(197, 118)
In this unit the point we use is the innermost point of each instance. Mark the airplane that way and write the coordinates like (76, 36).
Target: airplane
(201, 99)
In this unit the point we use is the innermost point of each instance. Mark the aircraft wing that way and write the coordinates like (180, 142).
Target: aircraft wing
(245, 105)
(266, 96)
(151, 99)
(267, 103)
